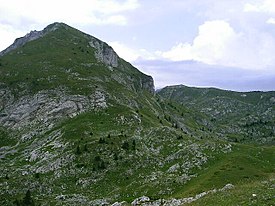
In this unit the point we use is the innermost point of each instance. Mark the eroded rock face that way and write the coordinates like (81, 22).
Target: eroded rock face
(104, 53)
(148, 84)
(47, 107)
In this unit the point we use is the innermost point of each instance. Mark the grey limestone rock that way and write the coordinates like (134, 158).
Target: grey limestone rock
(47, 107)
(227, 187)
(179, 202)
(148, 84)
(104, 53)
(140, 201)
(119, 204)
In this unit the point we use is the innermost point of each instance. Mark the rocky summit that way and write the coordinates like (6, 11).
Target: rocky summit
(81, 126)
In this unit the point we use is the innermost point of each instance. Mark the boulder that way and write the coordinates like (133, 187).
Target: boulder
(140, 200)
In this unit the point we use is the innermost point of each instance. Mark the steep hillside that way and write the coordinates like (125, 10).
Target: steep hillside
(81, 126)
(236, 116)
(63, 72)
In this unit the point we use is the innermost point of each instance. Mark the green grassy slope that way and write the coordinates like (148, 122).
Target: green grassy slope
(162, 146)
(258, 192)
(237, 116)
(244, 165)
(98, 157)
(63, 57)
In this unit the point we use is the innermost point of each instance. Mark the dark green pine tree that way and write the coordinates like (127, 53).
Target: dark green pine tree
(125, 145)
(27, 200)
(78, 151)
(134, 145)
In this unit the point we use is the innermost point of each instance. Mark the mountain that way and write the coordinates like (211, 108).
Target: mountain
(79, 125)
(236, 116)
(59, 72)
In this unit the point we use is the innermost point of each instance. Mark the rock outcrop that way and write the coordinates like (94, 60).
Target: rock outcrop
(145, 201)
(104, 53)
(148, 84)
(47, 107)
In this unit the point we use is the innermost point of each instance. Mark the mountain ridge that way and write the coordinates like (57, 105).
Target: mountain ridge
(33, 35)
(240, 113)
(175, 86)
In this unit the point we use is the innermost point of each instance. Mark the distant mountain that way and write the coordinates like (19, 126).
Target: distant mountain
(237, 116)
(81, 126)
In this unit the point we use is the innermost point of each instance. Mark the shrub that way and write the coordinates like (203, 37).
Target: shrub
(101, 141)
(134, 145)
(37, 175)
(78, 151)
(125, 145)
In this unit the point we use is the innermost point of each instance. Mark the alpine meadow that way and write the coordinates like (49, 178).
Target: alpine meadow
(81, 126)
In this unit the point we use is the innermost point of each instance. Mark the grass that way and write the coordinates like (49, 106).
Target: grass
(239, 116)
(63, 58)
(6, 139)
(245, 164)
(257, 192)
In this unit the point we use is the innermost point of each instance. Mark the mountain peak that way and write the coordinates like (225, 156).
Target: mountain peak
(54, 26)
(63, 46)
(33, 35)
(104, 53)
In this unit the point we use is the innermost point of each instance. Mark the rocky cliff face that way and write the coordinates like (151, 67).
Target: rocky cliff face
(148, 84)
(104, 52)
(41, 111)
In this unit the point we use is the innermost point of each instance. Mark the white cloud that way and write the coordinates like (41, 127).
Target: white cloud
(260, 6)
(114, 19)
(19, 17)
(9, 34)
(124, 52)
(111, 6)
(80, 12)
(218, 43)
(209, 46)
(130, 54)
(182, 51)
(271, 21)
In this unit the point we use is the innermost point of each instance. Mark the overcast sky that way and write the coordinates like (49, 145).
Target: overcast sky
(228, 44)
